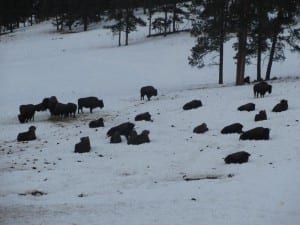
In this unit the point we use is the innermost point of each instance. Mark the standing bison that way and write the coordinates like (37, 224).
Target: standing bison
(258, 133)
(261, 89)
(149, 91)
(89, 102)
(26, 113)
(124, 129)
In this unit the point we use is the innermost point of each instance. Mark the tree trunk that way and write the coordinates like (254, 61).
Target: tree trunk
(120, 32)
(221, 62)
(258, 66)
(166, 21)
(57, 22)
(127, 27)
(271, 57)
(174, 16)
(150, 21)
(85, 23)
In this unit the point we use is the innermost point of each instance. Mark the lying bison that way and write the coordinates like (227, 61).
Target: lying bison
(137, 139)
(238, 157)
(89, 102)
(115, 138)
(261, 89)
(262, 115)
(28, 135)
(200, 129)
(149, 91)
(281, 106)
(258, 133)
(96, 123)
(123, 129)
(143, 116)
(232, 128)
(192, 105)
(26, 113)
(83, 146)
(247, 107)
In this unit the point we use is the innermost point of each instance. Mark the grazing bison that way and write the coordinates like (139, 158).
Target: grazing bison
(83, 146)
(40, 107)
(281, 106)
(96, 123)
(90, 102)
(261, 89)
(238, 157)
(247, 107)
(258, 133)
(50, 103)
(26, 113)
(28, 135)
(134, 139)
(262, 115)
(200, 129)
(149, 91)
(143, 116)
(232, 128)
(60, 110)
(192, 105)
(123, 129)
(115, 138)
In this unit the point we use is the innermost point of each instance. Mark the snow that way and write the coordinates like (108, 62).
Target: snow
(123, 184)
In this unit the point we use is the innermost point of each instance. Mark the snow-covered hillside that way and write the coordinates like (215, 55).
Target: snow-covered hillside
(123, 184)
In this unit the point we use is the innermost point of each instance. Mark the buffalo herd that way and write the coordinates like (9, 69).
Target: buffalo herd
(127, 129)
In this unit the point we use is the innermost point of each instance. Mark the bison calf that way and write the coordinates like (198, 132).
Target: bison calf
(149, 91)
(262, 115)
(143, 116)
(247, 107)
(28, 135)
(137, 139)
(89, 102)
(83, 146)
(258, 133)
(200, 129)
(232, 128)
(96, 123)
(192, 105)
(281, 106)
(238, 157)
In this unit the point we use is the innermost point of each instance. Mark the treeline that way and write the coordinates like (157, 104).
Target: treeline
(261, 29)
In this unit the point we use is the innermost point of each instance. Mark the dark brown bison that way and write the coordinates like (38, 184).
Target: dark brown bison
(123, 129)
(71, 109)
(258, 133)
(232, 128)
(149, 91)
(50, 103)
(83, 146)
(262, 115)
(137, 139)
(281, 106)
(60, 110)
(115, 138)
(247, 107)
(261, 89)
(192, 105)
(28, 135)
(238, 157)
(26, 113)
(247, 80)
(96, 123)
(200, 129)
(143, 116)
(90, 102)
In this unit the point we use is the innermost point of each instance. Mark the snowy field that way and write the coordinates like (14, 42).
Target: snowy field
(120, 184)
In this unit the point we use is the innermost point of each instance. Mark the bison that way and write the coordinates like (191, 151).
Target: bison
(96, 123)
(149, 91)
(200, 129)
(247, 107)
(137, 139)
(90, 102)
(258, 133)
(281, 106)
(232, 128)
(115, 138)
(238, 157)
(261, 89)
(262, 115)
(50, 103)
(123, 129)
(28, 135)
(143, 116)
(71, 109)
(192, 105)
(83, 146)
(26, 113)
